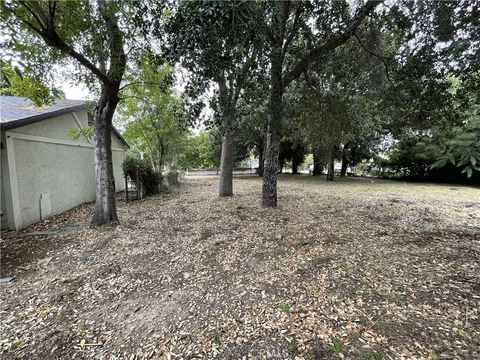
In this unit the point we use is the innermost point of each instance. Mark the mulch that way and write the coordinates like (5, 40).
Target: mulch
(355, 269)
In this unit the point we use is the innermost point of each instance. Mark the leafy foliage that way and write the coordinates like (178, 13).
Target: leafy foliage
(449, 144)
(77, 133)
(206, 150)
(153, 116)
(141, 170)
(459, 145)
(81, 26)
(15, 82)
(214, 39)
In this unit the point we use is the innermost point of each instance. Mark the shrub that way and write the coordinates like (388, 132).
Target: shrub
(172, 177)
(149, 179)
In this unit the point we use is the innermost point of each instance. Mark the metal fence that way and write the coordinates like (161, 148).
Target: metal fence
(204, 172)
(133, 188)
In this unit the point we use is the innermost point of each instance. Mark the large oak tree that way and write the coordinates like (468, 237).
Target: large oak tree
(216, 42)
(334, 25)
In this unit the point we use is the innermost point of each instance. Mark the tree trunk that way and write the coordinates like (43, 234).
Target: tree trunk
(281, 164)
(227, 158)
(161, 157)
(278, 81)
(105, 207)
(343, 171)
(331, 169)
(317, 164)
(269, 188)
(294, 167)
(270, 170)
(227, 108)
(353, 155)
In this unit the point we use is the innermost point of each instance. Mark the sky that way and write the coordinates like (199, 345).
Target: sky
(75, 92)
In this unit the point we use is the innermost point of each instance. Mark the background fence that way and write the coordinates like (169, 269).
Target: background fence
(133, 188)
(136, 188)
(203, 172)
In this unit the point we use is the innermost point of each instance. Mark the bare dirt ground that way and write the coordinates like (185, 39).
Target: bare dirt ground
(352, 269)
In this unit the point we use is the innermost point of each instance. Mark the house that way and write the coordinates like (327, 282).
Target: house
(43, 170)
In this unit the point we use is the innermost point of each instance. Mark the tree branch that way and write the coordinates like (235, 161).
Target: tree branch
(293, 30)
(223, 91)
(310, 84)
(51, 11)
(51, 37)
(35, 16)
(384, 61)
(118, 60)
(30, 25)
(139, 83)
(133, 97)
(58, 43)
(331, 44)
(243, 73)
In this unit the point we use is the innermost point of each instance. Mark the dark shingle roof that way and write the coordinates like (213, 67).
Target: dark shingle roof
(17, 111)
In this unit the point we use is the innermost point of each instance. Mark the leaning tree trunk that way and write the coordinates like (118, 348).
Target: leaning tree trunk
(105, 207)
(227, 158)
(331, 169)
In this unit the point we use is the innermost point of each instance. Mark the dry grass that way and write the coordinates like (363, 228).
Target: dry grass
(353, 269)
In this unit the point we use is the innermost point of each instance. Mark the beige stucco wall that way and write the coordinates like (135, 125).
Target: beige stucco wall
(55, 127)
(64, 171)
(3, 177)
(118, 157)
